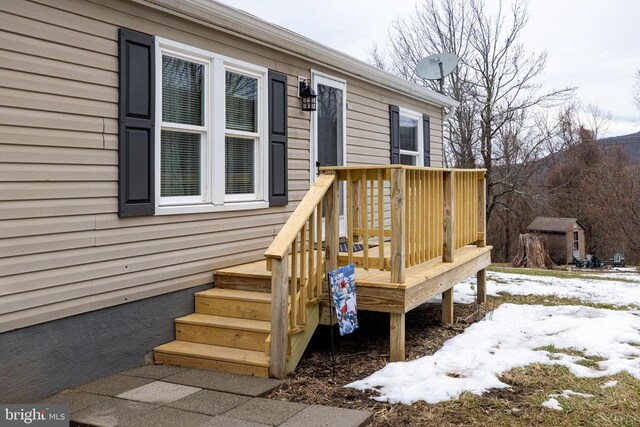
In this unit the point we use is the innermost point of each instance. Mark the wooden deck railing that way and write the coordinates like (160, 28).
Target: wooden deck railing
(423, 213)
(294, 286)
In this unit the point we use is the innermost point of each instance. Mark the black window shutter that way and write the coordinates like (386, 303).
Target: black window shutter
(136, 111)
(426, 134)
(278, 137)
(394, 133)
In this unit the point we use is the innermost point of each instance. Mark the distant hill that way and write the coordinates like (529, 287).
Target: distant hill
(628, 144)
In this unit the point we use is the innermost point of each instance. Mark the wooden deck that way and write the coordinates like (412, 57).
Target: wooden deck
(260, 317)
(376, 292)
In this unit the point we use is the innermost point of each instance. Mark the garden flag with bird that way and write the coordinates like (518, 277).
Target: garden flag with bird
(343, 291)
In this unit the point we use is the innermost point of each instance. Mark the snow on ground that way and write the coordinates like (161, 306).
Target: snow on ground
(619, 293)
(609, 384)
(511, 337)
(553, 403)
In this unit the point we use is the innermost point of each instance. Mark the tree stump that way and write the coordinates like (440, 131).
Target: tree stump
(532, 252)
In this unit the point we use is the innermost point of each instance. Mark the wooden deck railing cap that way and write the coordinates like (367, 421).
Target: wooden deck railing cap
(369, 167)
(280, 245)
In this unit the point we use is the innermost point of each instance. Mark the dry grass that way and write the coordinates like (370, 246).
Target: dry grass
(364, 352)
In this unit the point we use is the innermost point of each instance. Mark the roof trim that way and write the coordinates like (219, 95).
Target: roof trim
(553, 224)
(237, 22)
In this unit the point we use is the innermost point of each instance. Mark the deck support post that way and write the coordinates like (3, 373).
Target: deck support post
(481, 242)
(396, 332)
(332, 228)
(448, 209)
(279, 317)
(447, 306)
(397, 227)
(481, 286)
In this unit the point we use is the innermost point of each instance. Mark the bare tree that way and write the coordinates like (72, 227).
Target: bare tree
(505, 81)
(377, 57)
(636, 89)
(595, 119)
(495, 82)
(439, 26)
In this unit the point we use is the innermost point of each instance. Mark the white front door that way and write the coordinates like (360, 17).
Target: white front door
(329, 128)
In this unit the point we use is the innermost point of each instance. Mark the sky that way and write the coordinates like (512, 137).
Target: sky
(593, 45)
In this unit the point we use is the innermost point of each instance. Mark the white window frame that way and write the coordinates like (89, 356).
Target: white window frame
(420, 136)
(213, 197)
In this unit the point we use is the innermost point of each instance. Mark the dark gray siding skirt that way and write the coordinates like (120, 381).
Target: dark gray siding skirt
(39, 360)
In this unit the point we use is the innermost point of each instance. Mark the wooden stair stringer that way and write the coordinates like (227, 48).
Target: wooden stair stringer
(298, 343)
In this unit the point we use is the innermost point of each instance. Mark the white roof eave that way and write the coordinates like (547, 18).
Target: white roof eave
(247, 26)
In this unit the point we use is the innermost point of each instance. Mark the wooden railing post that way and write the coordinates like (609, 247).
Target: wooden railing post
(481, 276)
(481, 239)
(397, 225)
(279, 317)
(332, 227)
(448, 222)
(448, 238)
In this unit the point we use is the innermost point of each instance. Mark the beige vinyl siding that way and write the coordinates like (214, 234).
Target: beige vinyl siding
(63, 249)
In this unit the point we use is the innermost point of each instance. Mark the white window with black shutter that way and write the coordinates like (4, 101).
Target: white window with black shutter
(212, 152)
(410, 137)
(211, 144)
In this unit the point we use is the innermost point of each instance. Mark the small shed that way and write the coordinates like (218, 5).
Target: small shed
(565, 237)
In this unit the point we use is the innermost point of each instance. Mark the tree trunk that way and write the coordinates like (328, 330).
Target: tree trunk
(532, 252)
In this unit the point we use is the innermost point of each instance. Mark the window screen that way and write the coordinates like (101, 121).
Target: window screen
(179, 164)
(239, 160)
(241, 95)
(408, 134)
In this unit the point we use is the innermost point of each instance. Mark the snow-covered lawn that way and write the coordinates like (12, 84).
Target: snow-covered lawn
(592, 290)
(514, 336)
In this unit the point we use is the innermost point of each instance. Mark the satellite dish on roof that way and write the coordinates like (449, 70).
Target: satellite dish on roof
(437, 66)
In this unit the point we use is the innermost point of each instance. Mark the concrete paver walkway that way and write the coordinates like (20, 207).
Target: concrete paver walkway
(159, 395)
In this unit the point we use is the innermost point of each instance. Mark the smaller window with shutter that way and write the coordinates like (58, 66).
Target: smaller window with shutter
(411, 138)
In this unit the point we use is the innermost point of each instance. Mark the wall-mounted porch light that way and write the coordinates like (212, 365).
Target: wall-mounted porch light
(308, 95)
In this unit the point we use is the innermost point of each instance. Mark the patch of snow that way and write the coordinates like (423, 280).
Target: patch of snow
(609, 384)
(568, 393)
(462, 294)
(612, 292)
(511, 337)
(552, 404)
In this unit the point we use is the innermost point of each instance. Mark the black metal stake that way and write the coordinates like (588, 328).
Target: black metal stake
(333, 358)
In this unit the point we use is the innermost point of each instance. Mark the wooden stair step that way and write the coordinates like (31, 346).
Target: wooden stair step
(225, 280)
(226, 322)
(234, 303)
(248, 334)
(213, 357)
(235, 294)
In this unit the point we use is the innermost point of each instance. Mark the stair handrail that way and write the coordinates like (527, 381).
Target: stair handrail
(296, 261)
(279, 248)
